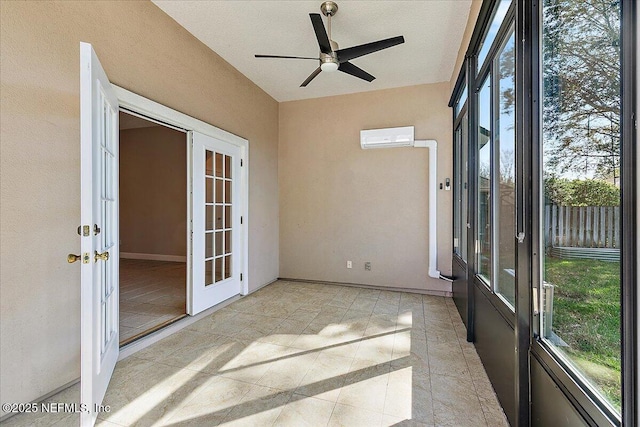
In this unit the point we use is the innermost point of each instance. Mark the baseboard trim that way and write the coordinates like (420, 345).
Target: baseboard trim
(378, 288)
(262, 286)
(153, 257)
(42, 398)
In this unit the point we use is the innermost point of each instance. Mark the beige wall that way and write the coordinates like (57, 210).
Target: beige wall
(142, 50)
(153, 191)
(339, 202)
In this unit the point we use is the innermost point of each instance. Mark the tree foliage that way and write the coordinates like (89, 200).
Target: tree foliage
(581, 192)
(581, 86)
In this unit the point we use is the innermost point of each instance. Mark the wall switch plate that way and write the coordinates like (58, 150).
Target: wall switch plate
(367, 266)
(349, 264)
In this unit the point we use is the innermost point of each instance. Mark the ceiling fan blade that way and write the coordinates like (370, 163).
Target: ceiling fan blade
(349, 53)
(311, 77)
(285, 57)
(321, 33)
(349, 68)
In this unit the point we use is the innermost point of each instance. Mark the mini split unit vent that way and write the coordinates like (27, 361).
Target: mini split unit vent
(387, 138)
(392, 137)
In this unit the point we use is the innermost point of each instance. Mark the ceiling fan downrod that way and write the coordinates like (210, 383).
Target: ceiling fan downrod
(329, 9)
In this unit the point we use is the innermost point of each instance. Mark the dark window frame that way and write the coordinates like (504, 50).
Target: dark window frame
(525, 321)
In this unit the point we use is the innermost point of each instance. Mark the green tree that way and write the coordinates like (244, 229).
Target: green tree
(581, 86)
(581, 192)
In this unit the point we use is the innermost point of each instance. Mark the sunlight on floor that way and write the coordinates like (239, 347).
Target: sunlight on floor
(296, 354)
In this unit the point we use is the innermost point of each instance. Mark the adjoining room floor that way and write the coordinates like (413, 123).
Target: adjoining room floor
(302, 354)
(151, 293)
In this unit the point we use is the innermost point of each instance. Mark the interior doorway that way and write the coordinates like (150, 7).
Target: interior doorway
(153, 226)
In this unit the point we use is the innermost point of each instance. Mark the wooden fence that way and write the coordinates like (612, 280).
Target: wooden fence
(582, 226)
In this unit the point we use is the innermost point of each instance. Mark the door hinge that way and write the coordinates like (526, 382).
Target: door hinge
(240, 220)
(241, 277)
(241, 163)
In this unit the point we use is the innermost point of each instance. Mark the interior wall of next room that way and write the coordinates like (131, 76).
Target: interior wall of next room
(153, 191)
(339, 202)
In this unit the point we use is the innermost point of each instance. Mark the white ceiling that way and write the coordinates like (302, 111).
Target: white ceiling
(236, 30)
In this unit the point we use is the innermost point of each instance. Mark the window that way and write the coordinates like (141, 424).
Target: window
(464, 193)
(580, 289)
(505, 171)
(492, 31)
(496, 164)
(460, 181)
(483, 238)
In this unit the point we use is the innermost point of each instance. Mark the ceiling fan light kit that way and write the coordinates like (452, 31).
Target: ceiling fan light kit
(332, 58)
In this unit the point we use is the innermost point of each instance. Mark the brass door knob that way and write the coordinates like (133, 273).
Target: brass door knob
(103, 256)
(71, 258)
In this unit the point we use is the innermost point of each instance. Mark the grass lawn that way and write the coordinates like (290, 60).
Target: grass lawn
(586, 316)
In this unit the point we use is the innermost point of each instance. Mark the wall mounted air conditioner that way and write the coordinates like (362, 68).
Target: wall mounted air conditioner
(387, 138)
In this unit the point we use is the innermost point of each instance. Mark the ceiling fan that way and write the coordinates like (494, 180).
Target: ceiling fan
(331, 58)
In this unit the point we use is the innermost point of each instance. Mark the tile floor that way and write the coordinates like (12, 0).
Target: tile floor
(301, 354)
(151, 292)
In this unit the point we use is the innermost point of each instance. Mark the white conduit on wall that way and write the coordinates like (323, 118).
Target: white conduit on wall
(432, 145)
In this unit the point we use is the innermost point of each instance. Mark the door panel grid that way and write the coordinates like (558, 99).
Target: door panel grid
(216, 205)
(105, 238)
(218, 217)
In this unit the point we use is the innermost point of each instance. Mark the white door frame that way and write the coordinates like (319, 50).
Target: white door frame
(155, 111)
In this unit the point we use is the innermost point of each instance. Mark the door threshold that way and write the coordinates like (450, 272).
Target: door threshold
(151, 330)
(150, 337)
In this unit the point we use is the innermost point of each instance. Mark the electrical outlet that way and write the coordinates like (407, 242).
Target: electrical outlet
(349, 264)
(367, 266)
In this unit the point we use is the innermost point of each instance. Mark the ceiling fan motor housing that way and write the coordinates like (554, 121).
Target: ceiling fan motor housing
(329, 61)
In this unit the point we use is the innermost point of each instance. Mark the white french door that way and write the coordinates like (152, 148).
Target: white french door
(217, 245)
(99, 232)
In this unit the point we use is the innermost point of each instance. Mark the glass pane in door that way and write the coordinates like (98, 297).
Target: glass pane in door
(218, 217)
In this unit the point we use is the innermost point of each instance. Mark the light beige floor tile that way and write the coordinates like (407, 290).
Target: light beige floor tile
(377, 349)
(101, 423)
(252, 362)
(307, 360)
(212, 404)
(303, 411)
(446, 358)
(381, 324)
(208, 355)
(346, 349)
(325, 377)
(261, 406)
(153, 396)
(287, 373)
(349, 416)
(365, 389)
(455, 402)
(364, 305)
(170, 344)
(398, 401)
